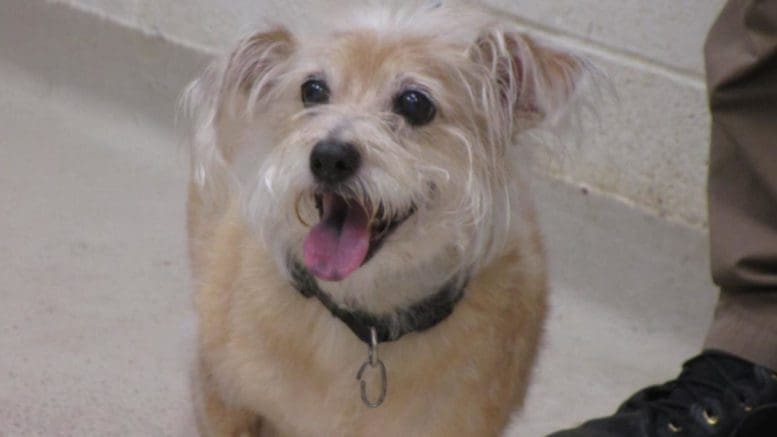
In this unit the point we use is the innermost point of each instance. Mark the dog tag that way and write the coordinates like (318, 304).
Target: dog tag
(373, 362)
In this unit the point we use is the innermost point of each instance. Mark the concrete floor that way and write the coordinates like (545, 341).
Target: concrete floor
(96, 326)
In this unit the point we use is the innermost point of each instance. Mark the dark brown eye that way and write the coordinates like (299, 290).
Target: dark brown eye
(417, 109)
(315, 92)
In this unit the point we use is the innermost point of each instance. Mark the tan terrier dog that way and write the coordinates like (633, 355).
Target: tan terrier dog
(358, 210)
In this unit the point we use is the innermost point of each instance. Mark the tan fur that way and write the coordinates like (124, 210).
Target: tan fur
(261, 349)
(274, 363)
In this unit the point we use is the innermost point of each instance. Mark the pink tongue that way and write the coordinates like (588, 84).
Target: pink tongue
(332, 250)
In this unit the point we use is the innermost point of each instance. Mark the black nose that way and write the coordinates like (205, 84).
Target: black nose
(334, 161)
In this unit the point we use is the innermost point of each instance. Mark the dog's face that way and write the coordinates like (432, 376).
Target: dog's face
(380, 150)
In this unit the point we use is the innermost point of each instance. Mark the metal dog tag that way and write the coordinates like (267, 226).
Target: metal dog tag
(372, 362)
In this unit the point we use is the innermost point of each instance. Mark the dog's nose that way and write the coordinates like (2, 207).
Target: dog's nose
(334, 161)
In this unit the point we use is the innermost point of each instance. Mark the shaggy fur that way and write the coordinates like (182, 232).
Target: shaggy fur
(274, 363)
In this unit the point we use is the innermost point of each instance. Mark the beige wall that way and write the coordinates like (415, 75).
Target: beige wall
(651, 148)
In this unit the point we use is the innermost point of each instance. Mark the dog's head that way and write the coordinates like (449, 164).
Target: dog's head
(379, 149)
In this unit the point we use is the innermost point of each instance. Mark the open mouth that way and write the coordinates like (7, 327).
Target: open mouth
(345, 237)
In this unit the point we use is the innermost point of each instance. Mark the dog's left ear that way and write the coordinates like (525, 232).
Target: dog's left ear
(535, 82)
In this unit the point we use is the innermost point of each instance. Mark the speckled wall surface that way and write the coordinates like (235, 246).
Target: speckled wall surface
(651, 146)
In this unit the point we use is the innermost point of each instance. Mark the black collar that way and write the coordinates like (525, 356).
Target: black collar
(416, 317)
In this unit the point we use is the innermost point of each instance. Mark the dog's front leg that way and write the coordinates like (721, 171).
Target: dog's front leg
(214, 417)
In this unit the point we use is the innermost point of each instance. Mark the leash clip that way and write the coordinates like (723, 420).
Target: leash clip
(373, 361)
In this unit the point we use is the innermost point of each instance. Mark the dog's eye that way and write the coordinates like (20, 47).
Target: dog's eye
(417, 109)
(315, 92)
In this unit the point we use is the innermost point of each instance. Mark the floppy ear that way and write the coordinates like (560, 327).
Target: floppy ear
(256, 62)
(535, 82)
(246, 76)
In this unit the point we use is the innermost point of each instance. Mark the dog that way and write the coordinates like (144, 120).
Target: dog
(364, 248)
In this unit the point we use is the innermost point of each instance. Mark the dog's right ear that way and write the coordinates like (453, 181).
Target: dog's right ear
(245, 77)
(256, 61)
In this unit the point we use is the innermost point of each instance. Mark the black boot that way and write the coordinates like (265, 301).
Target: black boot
(716, 395)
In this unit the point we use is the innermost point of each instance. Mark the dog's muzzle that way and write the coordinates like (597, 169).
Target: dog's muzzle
(349, 232)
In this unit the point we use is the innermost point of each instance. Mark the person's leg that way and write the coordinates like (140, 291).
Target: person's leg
(741, 55)
(729, 390)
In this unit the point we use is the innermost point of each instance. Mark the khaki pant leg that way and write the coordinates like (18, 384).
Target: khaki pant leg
(741, 57)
